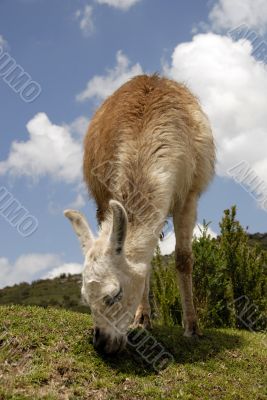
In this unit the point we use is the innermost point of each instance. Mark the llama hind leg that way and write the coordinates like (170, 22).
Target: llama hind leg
(142, 315)
(184, 221)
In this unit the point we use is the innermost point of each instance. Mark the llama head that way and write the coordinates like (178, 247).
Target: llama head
(112, 285)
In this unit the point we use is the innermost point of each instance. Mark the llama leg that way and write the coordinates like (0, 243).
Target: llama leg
(142, 316)
(184, 222)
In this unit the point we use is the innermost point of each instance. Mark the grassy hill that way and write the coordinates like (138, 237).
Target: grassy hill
(62, 292)
(48, 354)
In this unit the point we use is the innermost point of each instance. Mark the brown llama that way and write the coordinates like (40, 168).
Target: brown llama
(148, 154)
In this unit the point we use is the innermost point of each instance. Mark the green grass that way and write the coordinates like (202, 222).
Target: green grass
(48, 354)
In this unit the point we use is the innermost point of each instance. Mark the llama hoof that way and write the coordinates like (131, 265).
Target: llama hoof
(142, 321)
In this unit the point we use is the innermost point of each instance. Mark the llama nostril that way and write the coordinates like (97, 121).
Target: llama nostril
(96, 334)
(99, 340)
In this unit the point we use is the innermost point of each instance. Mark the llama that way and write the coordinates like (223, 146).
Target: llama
(148, 154)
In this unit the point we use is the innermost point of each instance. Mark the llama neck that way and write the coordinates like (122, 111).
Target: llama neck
(141, 239)
(147, 207)
(145, 193)
(141, 242)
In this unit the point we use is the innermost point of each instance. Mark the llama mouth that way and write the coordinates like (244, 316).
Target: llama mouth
(105, 344)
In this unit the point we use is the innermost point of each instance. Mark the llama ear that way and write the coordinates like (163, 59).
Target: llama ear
(119, 226)
(81, 228)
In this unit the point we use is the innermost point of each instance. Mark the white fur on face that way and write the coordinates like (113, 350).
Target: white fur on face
(105, 278)
(112, 285)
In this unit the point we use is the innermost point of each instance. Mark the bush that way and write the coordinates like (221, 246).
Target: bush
(165, 298)
(229, 278)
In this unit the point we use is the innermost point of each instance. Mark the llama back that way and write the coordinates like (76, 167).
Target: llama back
(147, 146)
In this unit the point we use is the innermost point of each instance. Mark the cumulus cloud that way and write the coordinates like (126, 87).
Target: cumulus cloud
(227, 14)
(26, 268)
(101, 86)
(78, 202)
(85, 18)
(29, 267)
(232, 87)
(121, 4)
(78, 127)
(198, 231)
(50, 150)
(167, 245)
(70, 268)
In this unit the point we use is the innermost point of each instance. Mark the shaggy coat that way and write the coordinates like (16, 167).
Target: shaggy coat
(148, 146)
(148, 154)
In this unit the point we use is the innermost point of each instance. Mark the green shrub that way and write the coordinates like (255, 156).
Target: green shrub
(229, 278)
(165, 299)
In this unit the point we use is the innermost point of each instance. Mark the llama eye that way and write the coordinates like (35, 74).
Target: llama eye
(110, 300)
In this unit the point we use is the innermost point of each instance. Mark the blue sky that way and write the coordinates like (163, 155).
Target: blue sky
(79, 52)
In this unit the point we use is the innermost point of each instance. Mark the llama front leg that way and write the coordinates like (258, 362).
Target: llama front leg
(184, 222)
(143, 313)
(184, 264)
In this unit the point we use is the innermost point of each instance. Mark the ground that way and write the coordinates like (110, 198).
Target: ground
(48, 354)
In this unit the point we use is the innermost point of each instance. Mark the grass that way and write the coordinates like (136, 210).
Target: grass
(48, 354)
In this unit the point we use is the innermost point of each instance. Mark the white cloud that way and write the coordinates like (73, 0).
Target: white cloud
(3, 42)
(50, 150)
(198, 231)
(26, 268)
(232, 87)
(85, 18)
(167, 245)
(71, 268)
(121, 4)
(78, 203)
(227, 14)
(29, 267)
(78, 127)
(102, 86)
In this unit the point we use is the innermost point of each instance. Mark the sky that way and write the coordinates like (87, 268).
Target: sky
(60, 60)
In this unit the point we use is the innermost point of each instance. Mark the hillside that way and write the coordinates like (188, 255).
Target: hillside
(48, 354)
(258, 238)
(63, 292)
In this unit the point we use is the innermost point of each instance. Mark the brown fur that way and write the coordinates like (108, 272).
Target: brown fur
(138, 115)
